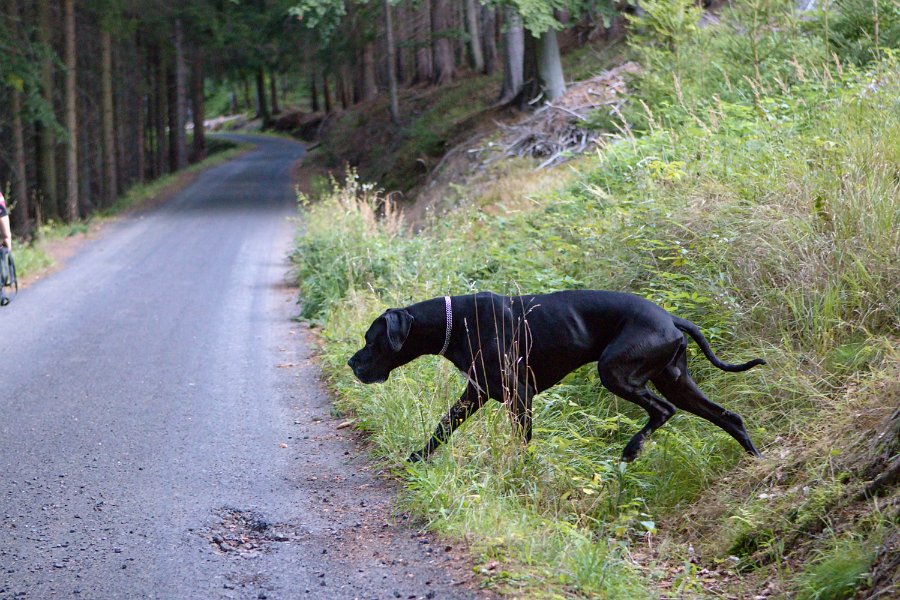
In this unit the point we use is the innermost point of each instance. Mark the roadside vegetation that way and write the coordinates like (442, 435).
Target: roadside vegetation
(751, 184)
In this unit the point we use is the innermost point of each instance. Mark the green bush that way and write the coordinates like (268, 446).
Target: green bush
(851, 29)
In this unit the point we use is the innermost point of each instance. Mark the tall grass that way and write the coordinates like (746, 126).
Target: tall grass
(770, 218)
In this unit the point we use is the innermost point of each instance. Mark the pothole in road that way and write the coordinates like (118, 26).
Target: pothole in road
(243, 533)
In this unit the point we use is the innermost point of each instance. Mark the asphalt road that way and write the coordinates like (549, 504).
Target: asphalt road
(163, 433)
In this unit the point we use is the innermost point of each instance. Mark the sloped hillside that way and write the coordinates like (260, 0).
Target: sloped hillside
(758, 198)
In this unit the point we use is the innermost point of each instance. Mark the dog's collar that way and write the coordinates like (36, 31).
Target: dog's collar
(449, 312)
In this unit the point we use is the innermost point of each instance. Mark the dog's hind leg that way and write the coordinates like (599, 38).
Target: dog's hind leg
(633, 387)
(676, 384)
(470, 401)
(522, 410)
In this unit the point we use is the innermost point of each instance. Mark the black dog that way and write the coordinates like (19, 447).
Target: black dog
(511, 348)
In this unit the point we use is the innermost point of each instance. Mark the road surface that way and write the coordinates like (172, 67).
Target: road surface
(162, 430)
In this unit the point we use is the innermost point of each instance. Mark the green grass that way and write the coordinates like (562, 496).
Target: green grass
(836, 572)
(769, 215)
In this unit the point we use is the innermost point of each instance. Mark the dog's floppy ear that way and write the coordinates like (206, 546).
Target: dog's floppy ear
(399, 323)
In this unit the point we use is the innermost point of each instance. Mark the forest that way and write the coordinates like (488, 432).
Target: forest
(737, 162)
(101, 95)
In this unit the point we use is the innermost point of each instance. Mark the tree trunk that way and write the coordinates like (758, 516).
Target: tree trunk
(401, 34)
(110, 176)
(549, 66)
(20, 218)
(391, 64)
(513, 56)
(441, 46)
(326, 92)
(127, 127)
(473, 14)
(458, 27)
(71, 213)
(45, 147)
(342, 83)
(273, 92)
(172, 121)
(263, 107)
(421, 34)
(369, 87)
(198, 109)
(489, 39)
(161, 116)
(531, 84)
(313, 90)
(90, 152)
(248, 103)
(141, 141)
(180, 108)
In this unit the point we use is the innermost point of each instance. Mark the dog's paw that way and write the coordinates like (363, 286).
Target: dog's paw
(631, 451)
(415, 457)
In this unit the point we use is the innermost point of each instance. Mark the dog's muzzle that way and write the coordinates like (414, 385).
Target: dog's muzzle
(360, 373)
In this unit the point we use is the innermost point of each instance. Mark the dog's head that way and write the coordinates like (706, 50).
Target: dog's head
(384, 342)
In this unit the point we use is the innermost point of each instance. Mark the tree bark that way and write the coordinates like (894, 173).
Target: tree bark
(161, 114)
(313, 90)
(421, 34)
(531, 84)
(107, 121)
(141, 109)
(172, 119)
(273, 92)
(489, 39)
(441, 46)
(369, 87)
(393, 105)
(19, 216)
(198, 109)
(262, 106)
(20, 220)
(460, 33)
(401, 34)
(124, 99)
(248, 102)
(473, 15)
(343, 83)
(179, 138)
(549, 66)
(45, 147)
(513, 56)
(71, 213)
(326, 92)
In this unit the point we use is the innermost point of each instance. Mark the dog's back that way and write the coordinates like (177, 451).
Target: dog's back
(555, 333)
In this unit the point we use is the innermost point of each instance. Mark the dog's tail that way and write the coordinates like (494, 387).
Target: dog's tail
(694, 331)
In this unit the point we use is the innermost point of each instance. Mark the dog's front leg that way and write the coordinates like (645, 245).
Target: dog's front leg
(470, 401)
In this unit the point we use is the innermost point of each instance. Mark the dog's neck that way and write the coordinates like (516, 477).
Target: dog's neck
(431, 321)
